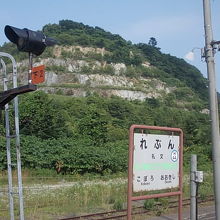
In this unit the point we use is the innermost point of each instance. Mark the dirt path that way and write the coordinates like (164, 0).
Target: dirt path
(61, 185)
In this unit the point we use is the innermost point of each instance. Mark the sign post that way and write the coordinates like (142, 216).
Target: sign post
(155, 163)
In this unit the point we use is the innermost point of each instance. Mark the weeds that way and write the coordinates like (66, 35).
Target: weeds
(149, 204)
(60, 196)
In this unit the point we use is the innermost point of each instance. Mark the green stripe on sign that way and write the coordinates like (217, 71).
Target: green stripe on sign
(155, 166)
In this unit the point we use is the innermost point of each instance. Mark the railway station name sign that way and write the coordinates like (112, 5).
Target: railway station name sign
(155, 162)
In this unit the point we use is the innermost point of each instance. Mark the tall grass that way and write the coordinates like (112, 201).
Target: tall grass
(64, 198)
(61, 196)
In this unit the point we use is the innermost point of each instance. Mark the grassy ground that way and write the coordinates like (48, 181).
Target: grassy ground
(54, 197)
(51, 198)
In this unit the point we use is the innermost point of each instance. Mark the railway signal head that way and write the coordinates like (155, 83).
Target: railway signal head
(27, 40)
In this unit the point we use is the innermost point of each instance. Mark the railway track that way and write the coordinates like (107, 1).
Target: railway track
(121, 214)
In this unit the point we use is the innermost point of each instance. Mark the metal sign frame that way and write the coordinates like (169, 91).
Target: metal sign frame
(17, 139)
(178, 193)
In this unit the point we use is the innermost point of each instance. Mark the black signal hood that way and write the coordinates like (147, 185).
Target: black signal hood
(27, 40)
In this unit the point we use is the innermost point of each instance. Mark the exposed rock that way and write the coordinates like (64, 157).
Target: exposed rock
(76, 77)
(51, 78)
(120, 68)
(146, 64)
(205, 111)
(73, 49)
(82, 92)
(133, 95)
(95, 80)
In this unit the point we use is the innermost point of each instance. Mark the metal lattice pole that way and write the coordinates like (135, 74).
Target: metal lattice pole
(17, 138)
(8, 147)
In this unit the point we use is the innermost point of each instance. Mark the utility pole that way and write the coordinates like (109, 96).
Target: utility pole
(210, 49)
(193, 188)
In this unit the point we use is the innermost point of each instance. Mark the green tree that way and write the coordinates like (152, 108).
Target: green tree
(152, 42)
(94, 124)
(40, 116)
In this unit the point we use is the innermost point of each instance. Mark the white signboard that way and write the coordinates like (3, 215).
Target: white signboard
(156, 162)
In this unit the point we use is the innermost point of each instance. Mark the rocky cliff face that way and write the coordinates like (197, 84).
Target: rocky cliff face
(80, 84)
(74, 71)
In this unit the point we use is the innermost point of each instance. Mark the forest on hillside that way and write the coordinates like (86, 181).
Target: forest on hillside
(90, 134)
(69, 33)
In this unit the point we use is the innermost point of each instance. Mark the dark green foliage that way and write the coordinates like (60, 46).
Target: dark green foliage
(40, 116)
(74, 155)
(94, 124)
(81, 135)
(73, 33)
(69, 155)
(152, 102)
(97, 117)
(152, 42)
(204, 157)
(3, 159)
(149, 204)
(177, 68)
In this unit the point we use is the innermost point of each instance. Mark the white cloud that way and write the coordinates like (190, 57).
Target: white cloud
(190, 56)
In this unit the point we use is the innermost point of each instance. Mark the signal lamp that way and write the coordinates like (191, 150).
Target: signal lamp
(27, 40)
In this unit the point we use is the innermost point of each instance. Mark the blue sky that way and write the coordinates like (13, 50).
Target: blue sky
(177, 25)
